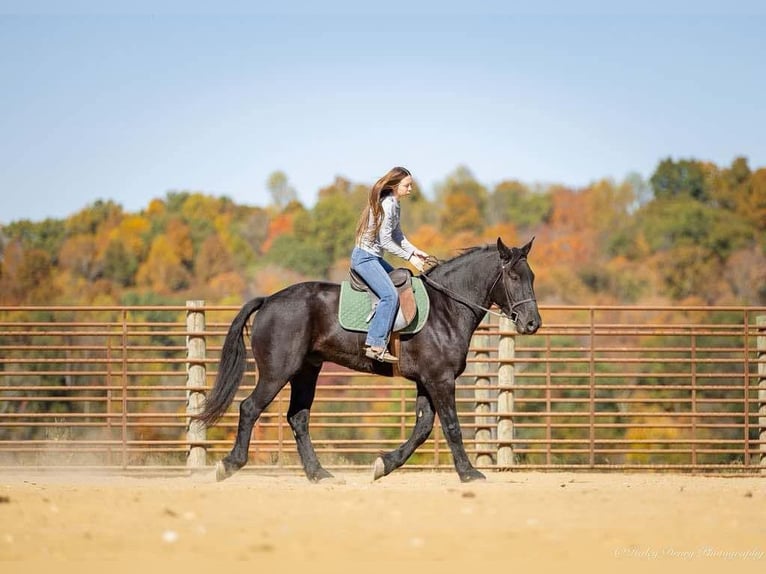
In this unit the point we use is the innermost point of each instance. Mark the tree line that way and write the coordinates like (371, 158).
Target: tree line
(694, 233)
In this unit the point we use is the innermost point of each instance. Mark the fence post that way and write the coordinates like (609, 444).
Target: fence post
(482, 396)
(760, 322)
(506, 380)
(196, 432)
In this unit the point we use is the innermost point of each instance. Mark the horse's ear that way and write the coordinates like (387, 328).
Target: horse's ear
(504, 251)
(527, 247)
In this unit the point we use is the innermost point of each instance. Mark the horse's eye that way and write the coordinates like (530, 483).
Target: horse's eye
(513, 276)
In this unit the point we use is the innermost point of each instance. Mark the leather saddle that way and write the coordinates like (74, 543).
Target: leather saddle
(402, 280)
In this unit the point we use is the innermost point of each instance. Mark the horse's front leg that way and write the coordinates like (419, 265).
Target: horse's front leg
(424, 423)
(443, 396)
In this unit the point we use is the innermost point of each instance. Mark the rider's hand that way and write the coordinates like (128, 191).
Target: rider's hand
(418, 262)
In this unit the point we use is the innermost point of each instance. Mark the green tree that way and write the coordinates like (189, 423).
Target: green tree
(684, 178)
(119, 265)
(47, 235)
(513, 202)
(290, 252)
(282, 193)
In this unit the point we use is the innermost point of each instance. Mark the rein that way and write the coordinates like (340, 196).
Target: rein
(460, 299)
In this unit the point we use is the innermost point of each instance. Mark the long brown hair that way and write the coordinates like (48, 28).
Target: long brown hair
(384, 186)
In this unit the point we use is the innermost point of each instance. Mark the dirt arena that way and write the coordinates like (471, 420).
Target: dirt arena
(629, 522)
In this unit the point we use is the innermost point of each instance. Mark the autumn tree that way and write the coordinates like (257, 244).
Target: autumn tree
(78, 255)
(323, 235)
(213, 259)
(87, 221)
(463, 201)
(168, 265)
(26, 275)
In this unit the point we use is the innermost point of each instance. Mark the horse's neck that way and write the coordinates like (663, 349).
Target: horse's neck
(471, 276)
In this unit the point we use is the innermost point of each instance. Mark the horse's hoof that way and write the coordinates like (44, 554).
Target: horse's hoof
(472, 475)
(321, 475)
(378, 469)
(220, 472)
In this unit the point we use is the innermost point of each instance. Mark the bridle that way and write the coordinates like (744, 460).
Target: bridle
(460, 299)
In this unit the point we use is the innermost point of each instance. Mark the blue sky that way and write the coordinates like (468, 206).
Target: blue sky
(106, 103)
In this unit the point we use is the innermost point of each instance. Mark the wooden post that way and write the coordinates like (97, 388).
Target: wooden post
(506, 380)
(196, 432)
(760, 321)
(482, 396)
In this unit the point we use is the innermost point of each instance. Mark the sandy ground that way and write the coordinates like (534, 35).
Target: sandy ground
(422, 521)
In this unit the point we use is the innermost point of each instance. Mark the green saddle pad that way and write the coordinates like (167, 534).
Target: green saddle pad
(355, 307)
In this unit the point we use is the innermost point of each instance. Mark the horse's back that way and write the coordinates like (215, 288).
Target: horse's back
(311, 304)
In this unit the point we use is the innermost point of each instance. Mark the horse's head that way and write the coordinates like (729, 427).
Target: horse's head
(514, 291)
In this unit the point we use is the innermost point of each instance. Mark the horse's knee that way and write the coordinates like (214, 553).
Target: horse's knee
(423, 425)
(299, 422)
(425, 417)
(247, 409)
(452, 430)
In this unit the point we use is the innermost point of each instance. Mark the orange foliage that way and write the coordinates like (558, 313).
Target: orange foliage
(506, 231)
(429, 239)
(461, 213)
(282, 223)
(226, 288)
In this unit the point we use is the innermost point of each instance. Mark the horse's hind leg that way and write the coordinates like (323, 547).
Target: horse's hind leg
(302, 389)
(424, 423)
(249, 411)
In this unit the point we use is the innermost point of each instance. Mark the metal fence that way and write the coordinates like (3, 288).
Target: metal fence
(679, 388)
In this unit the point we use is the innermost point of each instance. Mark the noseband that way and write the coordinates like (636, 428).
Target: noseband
(514, 315)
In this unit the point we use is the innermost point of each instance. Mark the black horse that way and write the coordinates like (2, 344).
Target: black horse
(297, 329)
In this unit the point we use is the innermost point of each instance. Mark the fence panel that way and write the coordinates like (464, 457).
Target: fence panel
(596, 388)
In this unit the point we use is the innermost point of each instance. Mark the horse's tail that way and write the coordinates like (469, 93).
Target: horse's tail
(231, 367)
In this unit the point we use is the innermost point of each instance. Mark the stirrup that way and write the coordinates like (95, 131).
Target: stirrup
(383, 355)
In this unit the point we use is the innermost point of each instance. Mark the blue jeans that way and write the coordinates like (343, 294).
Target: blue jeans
(374, 270)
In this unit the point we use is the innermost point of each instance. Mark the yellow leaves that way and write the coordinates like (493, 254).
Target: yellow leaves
(131, 232)
(156, 208)
(461, 212)
(179, 238)
(163, 271)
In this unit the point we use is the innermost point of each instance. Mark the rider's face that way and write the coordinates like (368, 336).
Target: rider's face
(405, 187)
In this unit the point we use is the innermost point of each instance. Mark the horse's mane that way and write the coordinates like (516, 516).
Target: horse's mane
(462, 254)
